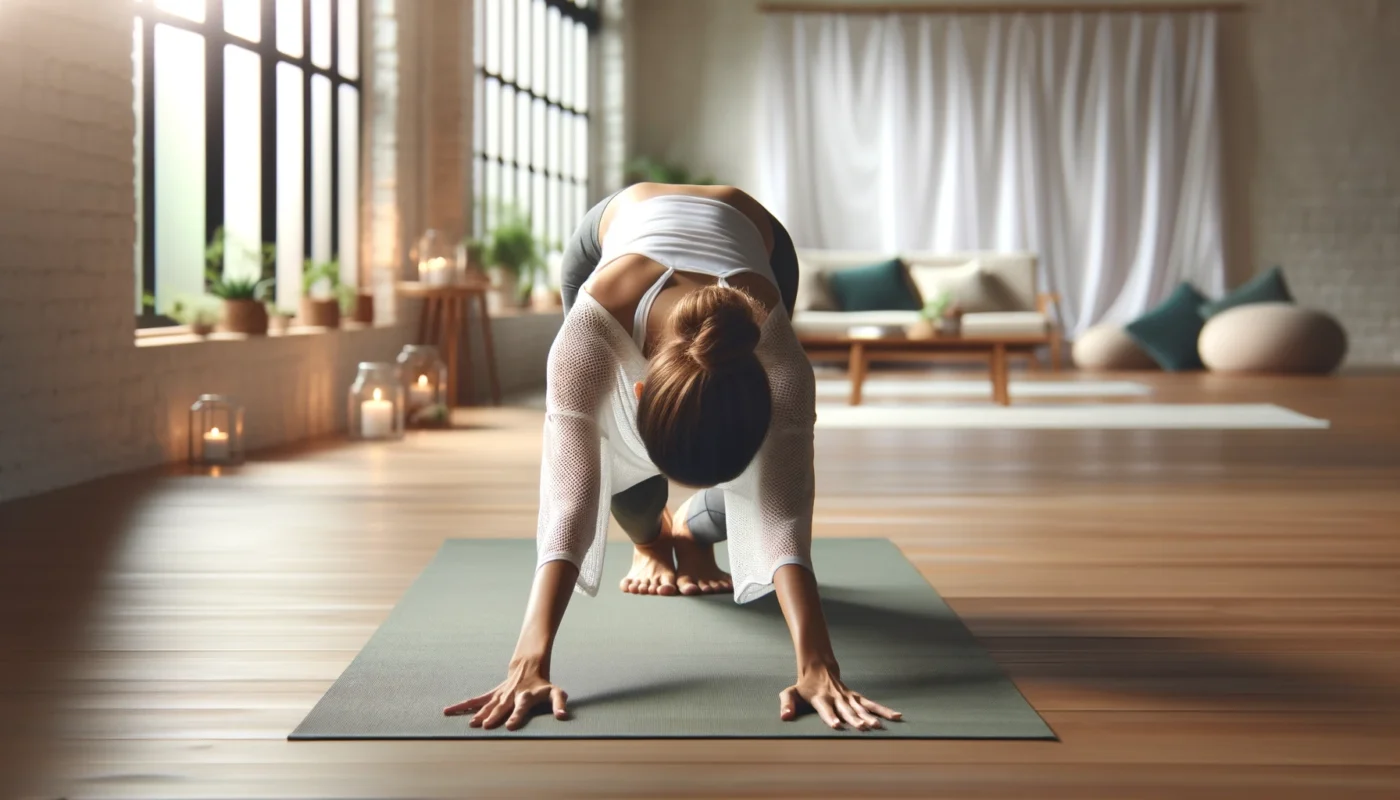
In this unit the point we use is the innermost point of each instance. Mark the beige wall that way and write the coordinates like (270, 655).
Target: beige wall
(1308, 102)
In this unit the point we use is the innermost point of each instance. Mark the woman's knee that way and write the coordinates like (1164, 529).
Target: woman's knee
(638, 509)
(705, 517)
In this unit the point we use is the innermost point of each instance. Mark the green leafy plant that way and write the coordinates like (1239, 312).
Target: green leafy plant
(202, 311)
(238, 287)
(476, 252)
(645, 169)
(325, 275)
(938, 307)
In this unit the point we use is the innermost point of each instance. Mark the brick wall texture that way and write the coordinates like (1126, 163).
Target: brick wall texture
(1322, 126)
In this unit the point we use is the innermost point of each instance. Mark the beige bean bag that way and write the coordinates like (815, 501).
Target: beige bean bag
(1272, 337)
(1109, 347)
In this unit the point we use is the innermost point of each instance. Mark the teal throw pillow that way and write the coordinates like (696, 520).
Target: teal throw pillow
(1268, 287)
(1169, 332)
(876, 287)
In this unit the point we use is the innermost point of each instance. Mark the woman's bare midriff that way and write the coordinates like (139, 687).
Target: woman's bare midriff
(619, 285)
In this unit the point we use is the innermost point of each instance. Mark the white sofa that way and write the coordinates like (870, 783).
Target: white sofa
(1001, 299)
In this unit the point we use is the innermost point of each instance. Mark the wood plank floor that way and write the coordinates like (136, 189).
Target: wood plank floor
(1196, 613)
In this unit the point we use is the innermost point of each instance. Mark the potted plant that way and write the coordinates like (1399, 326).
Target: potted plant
(512, 255)
(323, 294)
(243, 296)
(200, 313)
(645, 169)
(930, 317)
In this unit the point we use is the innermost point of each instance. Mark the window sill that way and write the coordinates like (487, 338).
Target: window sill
(181, 334)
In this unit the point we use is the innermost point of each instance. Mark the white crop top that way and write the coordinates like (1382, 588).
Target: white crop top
(592, 449)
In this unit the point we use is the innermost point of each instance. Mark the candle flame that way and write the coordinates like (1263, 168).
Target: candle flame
(423, 380)
(213, 431)
(378, 395)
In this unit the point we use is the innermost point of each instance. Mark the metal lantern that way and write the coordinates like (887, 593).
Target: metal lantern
(376, 402)
(424, 375)
(438, 263)
(216, 431)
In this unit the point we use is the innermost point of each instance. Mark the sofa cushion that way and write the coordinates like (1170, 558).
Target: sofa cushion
(839, 323)
(1109, 347)
(1014, 272)
(812, 292)
(1005, 323)
(1169, 332)
(1268, 287)
(813, 266)
(884, 286)
(970, 287)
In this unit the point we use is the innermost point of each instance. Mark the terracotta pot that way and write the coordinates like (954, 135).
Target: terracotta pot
(364, 308)
(245, 316)
(278, 323)
(201, 329)
(320, 313)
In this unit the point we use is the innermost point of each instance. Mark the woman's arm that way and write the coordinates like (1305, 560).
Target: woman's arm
(818, 674)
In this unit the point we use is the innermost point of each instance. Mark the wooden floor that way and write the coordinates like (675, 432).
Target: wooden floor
(1196, 614)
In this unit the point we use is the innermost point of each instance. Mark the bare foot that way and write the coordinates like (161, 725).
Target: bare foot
(696, 570)
(651, 571)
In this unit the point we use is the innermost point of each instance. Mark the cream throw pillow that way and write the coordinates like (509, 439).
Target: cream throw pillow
(813, 294)
(973, 290)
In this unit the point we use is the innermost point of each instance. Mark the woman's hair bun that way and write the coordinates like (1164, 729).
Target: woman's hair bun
(716, 326)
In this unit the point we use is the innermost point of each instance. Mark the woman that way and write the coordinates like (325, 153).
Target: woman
(677, 360)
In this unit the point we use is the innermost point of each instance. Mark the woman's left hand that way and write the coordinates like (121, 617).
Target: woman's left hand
(823, 690)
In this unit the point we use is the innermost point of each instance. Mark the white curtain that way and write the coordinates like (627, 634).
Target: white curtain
(1090, 139)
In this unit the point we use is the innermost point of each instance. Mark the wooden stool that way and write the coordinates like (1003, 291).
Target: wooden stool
(444, 309)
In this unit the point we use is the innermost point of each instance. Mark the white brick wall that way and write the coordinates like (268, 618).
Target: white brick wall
(1323, 138)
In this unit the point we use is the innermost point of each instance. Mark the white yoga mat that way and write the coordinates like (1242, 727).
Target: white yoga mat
(974, 389)
(1126, 416)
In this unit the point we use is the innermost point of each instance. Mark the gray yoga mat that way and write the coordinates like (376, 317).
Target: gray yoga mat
(685, 667)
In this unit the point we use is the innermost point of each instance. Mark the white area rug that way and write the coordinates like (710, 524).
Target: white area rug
(1127, 416)
(876, 389)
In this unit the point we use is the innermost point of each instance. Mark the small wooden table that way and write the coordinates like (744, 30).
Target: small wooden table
(859, 352)
(445, 309)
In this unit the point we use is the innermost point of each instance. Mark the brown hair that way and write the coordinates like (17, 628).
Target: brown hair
(705, 403)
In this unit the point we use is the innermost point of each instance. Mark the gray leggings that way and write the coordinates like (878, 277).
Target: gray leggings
(638, 508)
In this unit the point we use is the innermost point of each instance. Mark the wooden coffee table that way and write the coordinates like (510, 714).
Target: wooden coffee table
(859, 352)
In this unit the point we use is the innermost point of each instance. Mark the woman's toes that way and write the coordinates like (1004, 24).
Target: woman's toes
(689, 587)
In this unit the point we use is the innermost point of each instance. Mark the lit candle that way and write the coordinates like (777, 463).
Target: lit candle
(377, 417)
(420, 394)
(433, 272)
(216, 446)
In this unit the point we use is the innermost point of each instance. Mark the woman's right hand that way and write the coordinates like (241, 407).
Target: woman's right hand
(526, 686)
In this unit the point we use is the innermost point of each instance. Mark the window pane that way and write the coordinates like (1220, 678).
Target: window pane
(537, 46)
(349, 184)
(581, 148)
(189, 9)
(479, 101)
(522, 129)
(564, 56)
(138, 95)
(508, 186)
(537, 202)
(479, 33)
(348, 57)
(507, 118)
(523, 18)
(552, 87)
(581, 62)
(180, 185)
(552, 154)
(291, 200)
(243, 18)
(321, 246)
(493, 36)
(242, 162)
(537, 133)
(478, 196)
(551, 228)
(508, 48)
(289, 30)
(321, 33)
(491, 118)
(492, 193)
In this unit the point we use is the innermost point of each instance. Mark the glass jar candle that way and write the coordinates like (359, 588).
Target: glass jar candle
(375, 408)
(437, 260)
(216, 431)
(424, 376)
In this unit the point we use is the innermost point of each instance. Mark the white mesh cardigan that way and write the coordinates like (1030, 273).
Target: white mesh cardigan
(592, 450)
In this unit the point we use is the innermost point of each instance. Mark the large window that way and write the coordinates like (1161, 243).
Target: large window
(248, 119)
(530, 146)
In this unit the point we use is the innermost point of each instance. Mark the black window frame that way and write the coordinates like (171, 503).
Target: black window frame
(216, 39)
(571, 12)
